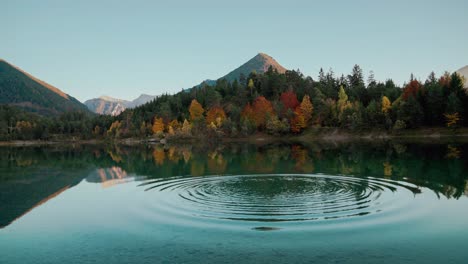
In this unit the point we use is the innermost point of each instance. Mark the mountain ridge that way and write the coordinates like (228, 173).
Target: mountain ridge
(22, 89)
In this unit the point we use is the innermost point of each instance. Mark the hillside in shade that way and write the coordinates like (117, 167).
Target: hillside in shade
(21, 89)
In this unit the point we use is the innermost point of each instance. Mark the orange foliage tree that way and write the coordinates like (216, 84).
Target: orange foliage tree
(196, 110)
(248, 113)
(411, 89)
(298, 122)
(215, 115)
(262, 108)
(289, 100)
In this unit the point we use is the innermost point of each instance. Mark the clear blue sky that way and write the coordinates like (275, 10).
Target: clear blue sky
(125, 48)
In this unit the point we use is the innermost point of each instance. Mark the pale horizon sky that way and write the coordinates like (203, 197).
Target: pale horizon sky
(125, 48)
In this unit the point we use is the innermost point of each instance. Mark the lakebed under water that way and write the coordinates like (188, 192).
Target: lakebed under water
(274, 203)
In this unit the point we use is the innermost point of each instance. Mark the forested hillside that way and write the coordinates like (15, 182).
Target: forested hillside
(274, 103)
(20, 89)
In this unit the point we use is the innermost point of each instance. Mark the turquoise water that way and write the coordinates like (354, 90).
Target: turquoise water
(272, 203)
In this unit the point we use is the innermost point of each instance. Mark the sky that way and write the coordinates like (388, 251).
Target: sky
(125, 48)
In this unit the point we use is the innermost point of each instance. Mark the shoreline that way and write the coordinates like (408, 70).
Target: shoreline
(430, 135)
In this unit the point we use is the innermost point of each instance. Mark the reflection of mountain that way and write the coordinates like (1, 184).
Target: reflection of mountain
(24, 191)
(108, 176)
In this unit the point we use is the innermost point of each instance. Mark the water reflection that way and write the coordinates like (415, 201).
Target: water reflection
(30, 177)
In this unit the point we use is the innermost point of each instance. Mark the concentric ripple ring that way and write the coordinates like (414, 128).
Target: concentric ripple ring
(276, 197)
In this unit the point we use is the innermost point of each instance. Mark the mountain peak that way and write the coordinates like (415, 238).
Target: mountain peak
(260, 64)
(263, 56)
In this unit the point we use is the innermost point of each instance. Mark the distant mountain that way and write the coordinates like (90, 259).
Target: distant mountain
(140, 100)
(21, 89)
(464, 72)
(259, 64)
(106, 105)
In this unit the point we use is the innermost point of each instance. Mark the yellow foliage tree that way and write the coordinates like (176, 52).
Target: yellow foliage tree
(452, 119)
(175, 124)
(186, 128)
(343, 102)
(158, 126)
(386, 104)
(170, 130)
(251, 86)
(307, 108)
(196, 110)
(114, 129)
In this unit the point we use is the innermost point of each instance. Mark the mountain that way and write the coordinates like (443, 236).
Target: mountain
(106, 105)
(142, 99)
(464, 72)
(260, 64)
(111, 106)
(21, 89)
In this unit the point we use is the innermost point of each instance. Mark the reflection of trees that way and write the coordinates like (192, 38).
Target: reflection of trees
(216, 163)
(452, 152)
(159, 155)
(32, 175)
(387, 169)
(303, 162)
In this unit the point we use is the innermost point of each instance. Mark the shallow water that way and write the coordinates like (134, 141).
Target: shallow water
(277, 203)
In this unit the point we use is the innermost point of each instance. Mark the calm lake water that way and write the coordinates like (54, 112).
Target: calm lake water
(274, 203)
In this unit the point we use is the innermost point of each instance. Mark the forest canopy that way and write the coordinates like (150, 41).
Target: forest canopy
(272, 102)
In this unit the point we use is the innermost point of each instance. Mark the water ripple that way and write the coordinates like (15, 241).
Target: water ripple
(277, 197)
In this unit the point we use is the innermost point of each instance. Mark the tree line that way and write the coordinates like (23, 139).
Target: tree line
(271, 102)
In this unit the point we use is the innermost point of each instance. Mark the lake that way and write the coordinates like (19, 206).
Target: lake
(357, 202)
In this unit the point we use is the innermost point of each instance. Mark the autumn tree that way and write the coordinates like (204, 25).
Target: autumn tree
(298, 122)
(275, 126)
(452, 119)
(215, 115)
(196, 110)
(342, 103)
(411, 89)
(262, 108)
(173, 126)
(307, 108)
(158, 126)
(289, 100)
(251, 86)
(186, 128)
(247, 113)
(115, 129)
(386, 104)
(248, 124)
